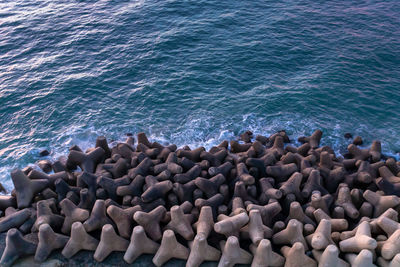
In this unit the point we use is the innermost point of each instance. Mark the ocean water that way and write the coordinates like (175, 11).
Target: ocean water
(195, 72)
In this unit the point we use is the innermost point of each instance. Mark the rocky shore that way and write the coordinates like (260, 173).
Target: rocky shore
(259, 201)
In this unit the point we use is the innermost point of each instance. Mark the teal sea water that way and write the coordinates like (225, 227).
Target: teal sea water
(195, 72)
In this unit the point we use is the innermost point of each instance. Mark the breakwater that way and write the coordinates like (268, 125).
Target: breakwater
(259, 201)
(194, 72)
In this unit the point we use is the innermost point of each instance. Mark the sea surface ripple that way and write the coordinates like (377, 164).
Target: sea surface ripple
(195, 72)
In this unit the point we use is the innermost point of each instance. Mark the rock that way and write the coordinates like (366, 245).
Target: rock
(358, 141)
(44, 153)
(348, 135)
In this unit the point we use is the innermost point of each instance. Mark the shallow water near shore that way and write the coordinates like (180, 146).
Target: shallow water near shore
(195, 72)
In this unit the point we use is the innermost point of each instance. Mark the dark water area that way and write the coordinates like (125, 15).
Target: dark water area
(195, 72)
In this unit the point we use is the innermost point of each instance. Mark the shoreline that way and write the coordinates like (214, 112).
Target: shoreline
(256, 193)
(338, 141)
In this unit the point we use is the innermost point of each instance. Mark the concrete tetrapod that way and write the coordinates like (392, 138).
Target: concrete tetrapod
(119, 168)
(264, 256)
(79, 240)
(392, 165)
(277, 147)
(390, 213)
(142, 139)
(85, 200)
(184, 192)
(25, 188)
(7, 201)
(231, 225)
(88, 161)
(362, 259)
(98, 217)
(308, 229)
(362, 240)
(170, 166)
(26, 227)
(123, 218)
(140, 244)
(109, 242)
(205, 223)
(46, 216)
(295, 256)
(224, 169)
(216, 158)
(338, 225)
(296, 212)
(170, 248)
(110, 185)
(16, 246)
(200, 251)
(312, 190)
(391, 247)
(150, 152)
(388, 225)
(214, 202)
(150, 221)
(133, 189)
(278, 226)
(187, 176)
(375, 151)
(156, 191)
(62, 189)
(386, 173)
(193, 155)
(244, 175)
(321, 238)
(48, 241)
(293, 233)
(241, 192)
(186, 207)
(238, 148)
(268, 212)
(313, 140)
(357, 153)
(395, 262)
(179, 224)
(381, 203)
(344, 200)
(15, 219)
(232, 253)
(268, 191)
(210, 187)
(140, 169)
(325, 160)
(282, 172)
(51, 178)
(72, 214)
(101, 141)
(256, 229)
(292, 185)
(348, 234)
(329, 257)
(147, 207)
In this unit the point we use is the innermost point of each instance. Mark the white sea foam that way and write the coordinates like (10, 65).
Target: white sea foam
(200, 132)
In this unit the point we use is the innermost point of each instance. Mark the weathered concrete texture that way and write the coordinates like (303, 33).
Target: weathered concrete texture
(85, 258)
